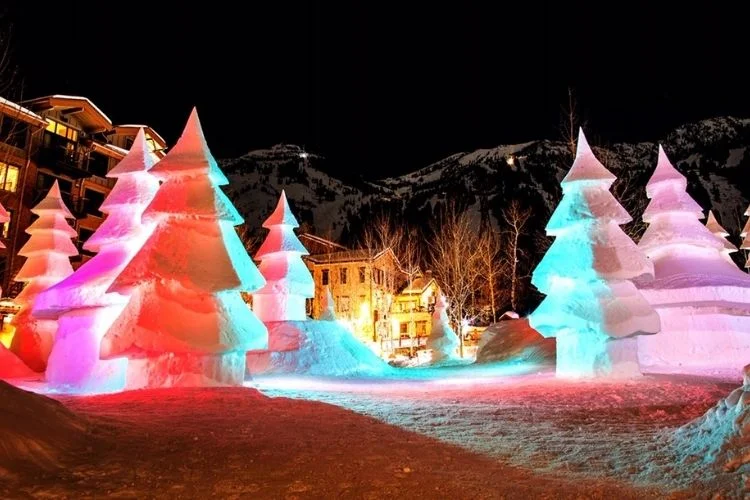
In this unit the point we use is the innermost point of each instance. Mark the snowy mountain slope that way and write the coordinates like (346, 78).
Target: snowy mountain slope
(713, 154)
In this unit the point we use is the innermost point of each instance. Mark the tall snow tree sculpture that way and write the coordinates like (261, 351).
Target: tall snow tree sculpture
(80, 303)
(442, 340)
(717, 230)
(186, 322)
(288, 281)
(703, 299)
(745, 235)
(47, 253)
(328, 306)
(592, 306)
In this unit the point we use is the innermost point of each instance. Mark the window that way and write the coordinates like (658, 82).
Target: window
(403, 328)
(152, 145)
(343, 304)
(92, 202)
(6, 226)
(62, 130)
(421, 328)
(8, 177)
(343, 275)
(98, 164)
(324, 277)
(361, 275)
(129, 142)
(376, 276)
(83, 235)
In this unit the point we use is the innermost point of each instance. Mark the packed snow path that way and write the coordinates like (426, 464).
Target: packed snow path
(443, 433)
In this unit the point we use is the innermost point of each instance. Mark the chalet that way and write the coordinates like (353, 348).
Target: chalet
(63, 138)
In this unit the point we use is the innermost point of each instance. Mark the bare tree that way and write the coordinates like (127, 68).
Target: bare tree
(409, 259)
(492, 267)
(515, 217)
(570, 122)
(454, 252)
(379, 235)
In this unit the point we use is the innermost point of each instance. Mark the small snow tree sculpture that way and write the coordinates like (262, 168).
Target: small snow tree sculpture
(745, 234)
(186, 322)
(592, 306)
(47, 253)
(288, 281)
(442, 340)
(717, 230)
(329, 307)
(80, 303)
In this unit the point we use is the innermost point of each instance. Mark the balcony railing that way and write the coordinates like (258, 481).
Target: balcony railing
(59, 158)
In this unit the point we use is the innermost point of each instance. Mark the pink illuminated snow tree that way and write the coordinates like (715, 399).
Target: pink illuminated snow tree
(703, 298)
(186, 322)
(80, 303)
(592, 306)
(288, 281)
(4, 218)
(47, 253)
(717, 230)
(745, 235)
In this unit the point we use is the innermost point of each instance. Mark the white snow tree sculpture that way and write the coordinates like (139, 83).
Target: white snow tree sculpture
(288, 281)
(328, 306)
(442, 340)
(186, 322)
(592, 306)
(47, 253)
(80, 303)
(717, 230)
(703, 298)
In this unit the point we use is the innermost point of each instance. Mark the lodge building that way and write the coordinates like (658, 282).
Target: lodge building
(63, 138)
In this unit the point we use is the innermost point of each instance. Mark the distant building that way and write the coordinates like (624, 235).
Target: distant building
(63, 138)
(371, 293)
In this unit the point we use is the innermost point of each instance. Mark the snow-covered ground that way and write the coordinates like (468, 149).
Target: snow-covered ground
(483, 431)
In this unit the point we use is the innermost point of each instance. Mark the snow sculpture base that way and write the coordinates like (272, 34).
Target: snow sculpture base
(33, 339)
(74, 365)
(187, 370)
(279, 307)
(314, 347)
(12, 367)
(515, 341)
(698, 341)
(590, 355)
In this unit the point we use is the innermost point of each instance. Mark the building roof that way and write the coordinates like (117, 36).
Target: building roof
(418, 286)
(321, 241)
(110, 150)
(361, 255)
(14, 110)
(86, 111)
(127, 128)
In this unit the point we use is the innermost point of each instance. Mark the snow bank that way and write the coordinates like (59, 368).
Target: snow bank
(36, 432)
(720, 439)
(314, 347)
(515, 341)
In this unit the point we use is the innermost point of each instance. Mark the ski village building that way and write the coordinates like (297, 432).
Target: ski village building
(60, 138)
(371, 294)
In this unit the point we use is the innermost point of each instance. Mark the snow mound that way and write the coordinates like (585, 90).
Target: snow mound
(11, 366)
(515, 340)
(721, 438)
(36, 432)
(314, 347)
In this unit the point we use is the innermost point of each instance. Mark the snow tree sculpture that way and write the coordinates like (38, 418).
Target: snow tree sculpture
(592, 306)
(288, 281)
(745, 235)
(717, 230)
(703, 299)
(4, 218)
(80, 303)
(47, 253)
(442, 340)
(186, 322)
(328, 312)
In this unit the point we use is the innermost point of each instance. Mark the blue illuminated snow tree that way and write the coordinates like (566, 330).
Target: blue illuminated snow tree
(592, 306)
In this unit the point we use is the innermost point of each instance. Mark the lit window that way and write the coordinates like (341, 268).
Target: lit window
(8, 177)
(343, 275)
(324, 277)
(61, 130)
(5, 232)
(151, 144)
(361, 274)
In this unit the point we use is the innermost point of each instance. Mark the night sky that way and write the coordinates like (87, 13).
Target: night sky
(381, 88)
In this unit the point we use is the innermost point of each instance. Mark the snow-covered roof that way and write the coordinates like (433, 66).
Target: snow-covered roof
(81, 98)
(151, 132)
(419, 285)
(362, 255)
(97, 118)
(21, 112)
